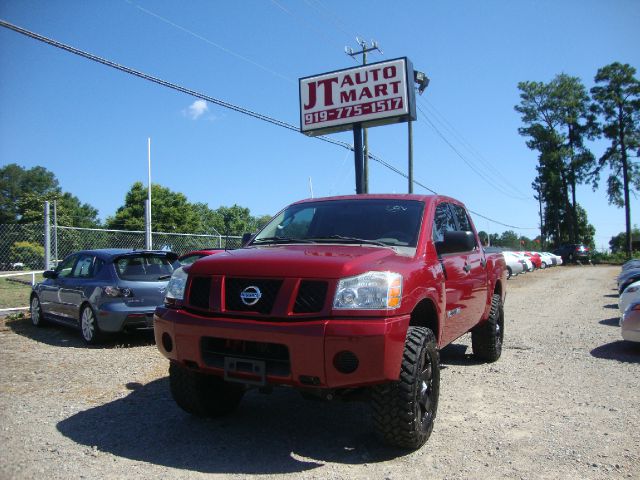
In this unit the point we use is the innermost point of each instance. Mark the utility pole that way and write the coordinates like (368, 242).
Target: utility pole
(365, 137)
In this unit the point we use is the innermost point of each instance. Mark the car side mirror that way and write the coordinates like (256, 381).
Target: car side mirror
(50, 274)
(246, 238)
(456, 242)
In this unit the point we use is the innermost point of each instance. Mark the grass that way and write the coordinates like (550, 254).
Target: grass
(14, 293)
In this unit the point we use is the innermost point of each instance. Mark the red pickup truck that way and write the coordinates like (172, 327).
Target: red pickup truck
(337, 297)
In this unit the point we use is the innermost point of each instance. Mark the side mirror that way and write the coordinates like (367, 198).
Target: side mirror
(456, 242)
(246, 238)
(50, 274)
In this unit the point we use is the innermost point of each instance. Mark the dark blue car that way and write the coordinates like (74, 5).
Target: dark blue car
(103, 291)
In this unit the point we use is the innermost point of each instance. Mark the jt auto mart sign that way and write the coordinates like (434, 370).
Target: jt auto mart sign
(374, 94)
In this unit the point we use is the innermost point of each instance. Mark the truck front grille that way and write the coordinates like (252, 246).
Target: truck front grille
(311, 296)
(199, 292)
(267, 291)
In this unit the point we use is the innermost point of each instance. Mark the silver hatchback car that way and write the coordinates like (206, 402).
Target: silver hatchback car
(103, 291)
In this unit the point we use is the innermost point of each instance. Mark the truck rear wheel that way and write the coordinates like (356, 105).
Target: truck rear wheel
(203, 395)
(404, 410)
(486, 339)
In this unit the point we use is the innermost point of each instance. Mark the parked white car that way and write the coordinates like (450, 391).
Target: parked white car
(630, 323)
(630, 295)
(514, 264)
(558, 258)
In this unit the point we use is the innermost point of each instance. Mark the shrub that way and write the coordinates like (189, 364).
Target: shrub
(30, 254)
(617, 258)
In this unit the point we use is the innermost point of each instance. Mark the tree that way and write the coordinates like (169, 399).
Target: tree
(557, 120)
(236, 220)
(23, 193)
(70, 212)
(170, 211)
(509, 239)
(617, 101)
(618, 243)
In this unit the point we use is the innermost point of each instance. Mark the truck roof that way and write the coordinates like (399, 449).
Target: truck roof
(400, 196)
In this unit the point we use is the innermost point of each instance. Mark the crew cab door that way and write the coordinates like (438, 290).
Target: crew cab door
(464, 268)
(476, 268)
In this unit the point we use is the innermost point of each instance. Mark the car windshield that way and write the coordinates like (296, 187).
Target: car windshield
(144, 267)
(385, 222)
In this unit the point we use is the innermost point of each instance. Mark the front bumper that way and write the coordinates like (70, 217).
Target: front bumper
(336, 353)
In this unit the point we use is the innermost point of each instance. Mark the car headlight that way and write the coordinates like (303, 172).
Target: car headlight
(175, 288)
(369, 291)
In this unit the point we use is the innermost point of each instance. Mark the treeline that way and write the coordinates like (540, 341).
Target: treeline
(559, 118)
(24, 191)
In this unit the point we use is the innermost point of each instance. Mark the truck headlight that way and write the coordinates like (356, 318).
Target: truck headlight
(369, 291)
(175, 288)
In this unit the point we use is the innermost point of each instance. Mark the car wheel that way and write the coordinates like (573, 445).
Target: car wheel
(37, 317)
(203, 395)
(89, 326)
(404, 410)
(509, 272)
(486, 339)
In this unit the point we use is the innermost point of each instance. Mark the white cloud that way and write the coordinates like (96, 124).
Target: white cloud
(196, 109)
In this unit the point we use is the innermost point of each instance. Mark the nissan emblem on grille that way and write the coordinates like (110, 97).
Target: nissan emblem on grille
(250, 295)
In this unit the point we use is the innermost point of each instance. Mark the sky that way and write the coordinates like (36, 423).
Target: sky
(89, 124)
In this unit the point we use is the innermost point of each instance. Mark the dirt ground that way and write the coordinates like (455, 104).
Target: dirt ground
(561, 403)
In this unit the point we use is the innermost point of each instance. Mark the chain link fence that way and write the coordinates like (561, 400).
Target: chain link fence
(22, 245)
(66, 240)
(22, 251)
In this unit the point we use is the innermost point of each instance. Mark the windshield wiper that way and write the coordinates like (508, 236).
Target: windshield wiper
(277, 240)
(342, 239)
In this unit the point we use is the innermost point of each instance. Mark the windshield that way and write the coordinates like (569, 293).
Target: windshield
(391, 222)
(146, 268)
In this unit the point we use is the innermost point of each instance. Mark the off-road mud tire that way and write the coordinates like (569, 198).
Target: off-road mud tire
(404, 411)
(486, 339)
(203, 395)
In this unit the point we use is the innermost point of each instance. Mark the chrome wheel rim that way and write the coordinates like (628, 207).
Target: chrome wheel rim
(35, 311)
(88, 324)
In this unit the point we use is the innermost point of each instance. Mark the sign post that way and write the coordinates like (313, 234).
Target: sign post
(358, 154)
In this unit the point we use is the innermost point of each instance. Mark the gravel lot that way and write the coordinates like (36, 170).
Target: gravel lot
(561, 403)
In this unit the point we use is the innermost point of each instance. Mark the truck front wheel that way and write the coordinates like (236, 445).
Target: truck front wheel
(486, 339)
(203, 395)
(404, 410)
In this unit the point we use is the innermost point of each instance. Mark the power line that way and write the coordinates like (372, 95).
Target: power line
(213, 100)
(303, 21)
(210, 42)
(334, 19)
(479, 172)
(440, 118)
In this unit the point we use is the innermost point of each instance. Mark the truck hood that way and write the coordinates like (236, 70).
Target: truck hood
(308, 261)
